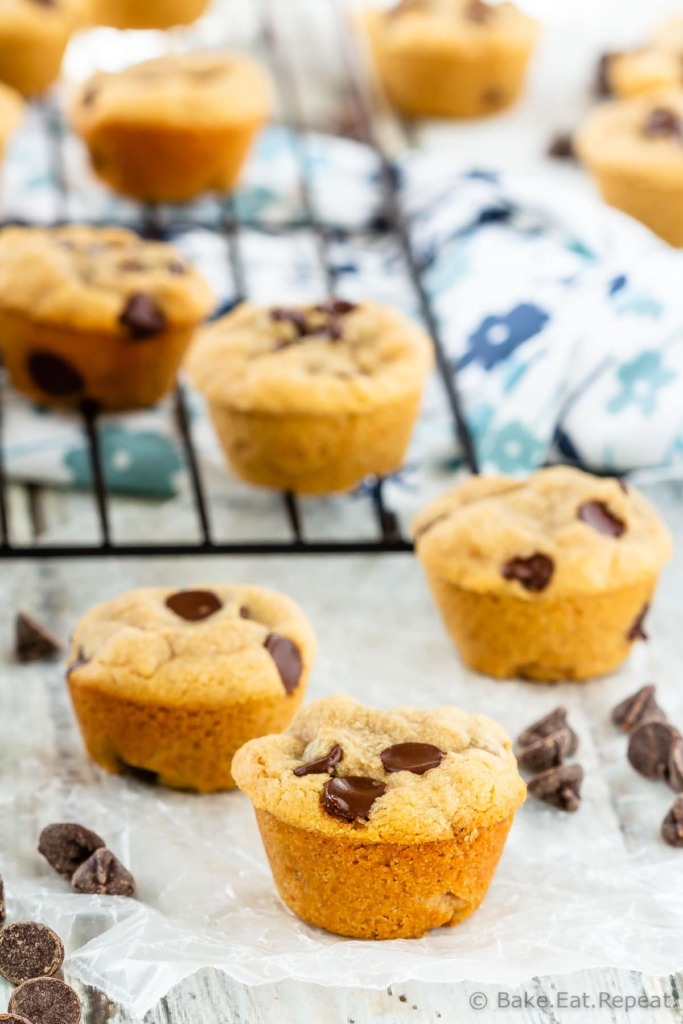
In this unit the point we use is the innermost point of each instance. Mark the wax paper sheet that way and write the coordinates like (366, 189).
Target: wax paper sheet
(598, 888)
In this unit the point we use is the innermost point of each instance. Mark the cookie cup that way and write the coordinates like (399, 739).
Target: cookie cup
(32, 44)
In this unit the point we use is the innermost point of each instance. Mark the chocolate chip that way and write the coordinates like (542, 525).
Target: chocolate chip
(177, 267)
(294, 317)
(80, 661)
(533, 573)
(245, 613)
(287, 659)
(417, 758)
(560, 787)
(66, 846)
(323, 764)
(663, 123)
(352, 797)
(34, 642)
(546, 726)
(103, 875)
(336, 307)
(561, 147)
(54, 375)
(598, 516)
(46, 1001)
(674, 772)
(649, 748)
(3, 905)
(548, 751)
(478, 11)
(603, 85)
(638, 708)
(637, 631)
(194, 605)
(29, 950)
(142, 317)
(672, 826)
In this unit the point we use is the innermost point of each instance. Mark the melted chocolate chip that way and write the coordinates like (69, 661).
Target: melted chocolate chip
(323, 765)
(287, 658)
(142, 317)
(663, 123)
(675, 767)
(638, 708)
(637, 631)
(29, 950)
(194, 605)
(598, 516)
(560, 787)
(245, 613)
(417, 758)
(533, 573)
(54, 375)
(548, 751)
(672, 826)
(46, 1001)
(66, 846)
(336, 307)
(103, 875)
(291, 316)
(649, 748)
(603, 84)
(351, 798)
(561, 147)
(551, 723)
(34, 642)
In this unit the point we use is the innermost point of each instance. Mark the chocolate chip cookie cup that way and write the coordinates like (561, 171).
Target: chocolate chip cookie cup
(33, 37)
(634, 150)
(313, 398)
(168, 130)
(461, 59)
(382, 824)
(546, 579)
(95, 314)
(168, 684)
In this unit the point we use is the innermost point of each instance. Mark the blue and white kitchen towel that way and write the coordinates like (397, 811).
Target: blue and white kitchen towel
(563, 320)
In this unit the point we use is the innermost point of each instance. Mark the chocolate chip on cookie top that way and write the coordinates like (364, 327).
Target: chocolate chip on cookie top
(661, 122)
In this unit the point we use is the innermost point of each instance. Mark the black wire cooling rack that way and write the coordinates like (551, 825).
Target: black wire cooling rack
(391, 221)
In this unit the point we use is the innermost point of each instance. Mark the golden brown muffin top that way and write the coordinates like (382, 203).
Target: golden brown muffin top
(425, 775)
(11, 111)
(335, 356)
(443, 23)
(560, 532)
(194, 647)
(191, 89)
(101, 279)
(640, 136)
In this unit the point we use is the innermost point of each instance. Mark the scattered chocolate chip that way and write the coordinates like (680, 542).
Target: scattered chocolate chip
(291, 316)
(66, 846)
(142, 317)
(672, 826)
(674, 773)
(80, 661)
(546, 726)
(649, 748)
(637, 630)
(548, 751)
(54, 375)
(3, 905)
(34, 642)
(287, 658)
(663, 123)
(336, 307)
(533, 573)
(603, 85)
(194, 605)
(323, 764)
(600, 518)
(29, 950)
(560, 787)
(417, 758)
(561, 147)
(46, 1001)
(103, 875)
(638, 708)
(352, 797)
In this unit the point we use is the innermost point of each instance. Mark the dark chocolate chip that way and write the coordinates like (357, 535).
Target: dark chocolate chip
(3, 905)
(533, 573)
(103, 875)
(638, 708)
(560, 787)
(46, 1001)
(600, 518)
(141, 316)
(245, 613)
(417, 758)
(546, 726)
(603, 85)
(663, 123)
(672, 826)
(33, 642)
(674, 772)
(194, 605)
(352, 797)
(649, 748)
(294, 317)
(336, 307)
(29, 950)
(66, 846)
(323, 764)
(54, 375)
(80, 661)
(548, 751)
(561, 147)
(287, 658)
(636, 630)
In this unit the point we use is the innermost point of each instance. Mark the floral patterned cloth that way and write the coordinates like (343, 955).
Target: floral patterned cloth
(563, 320)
